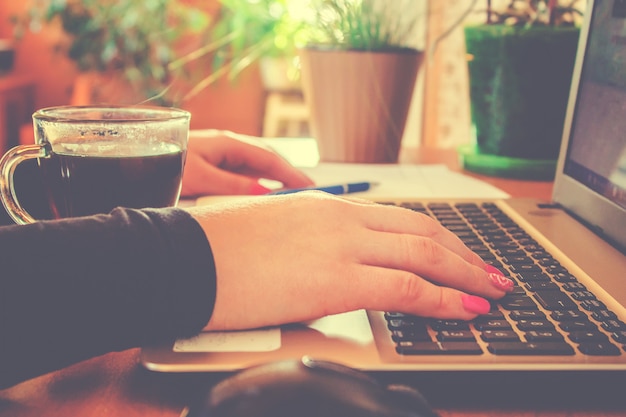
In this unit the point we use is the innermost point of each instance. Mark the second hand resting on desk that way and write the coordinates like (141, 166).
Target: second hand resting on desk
(338, 189)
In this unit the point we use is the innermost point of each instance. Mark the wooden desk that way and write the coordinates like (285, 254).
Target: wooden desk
(117, 385)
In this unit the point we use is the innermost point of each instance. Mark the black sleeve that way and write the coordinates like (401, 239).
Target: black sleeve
(78, 288)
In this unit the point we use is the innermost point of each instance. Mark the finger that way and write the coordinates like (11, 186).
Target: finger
(404, 292)
(431, 260)
(264, 163)
(400, 220)
(211, 180)
(239, 155)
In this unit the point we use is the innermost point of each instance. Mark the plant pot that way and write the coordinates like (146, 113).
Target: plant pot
(359, 101)
(519, 87)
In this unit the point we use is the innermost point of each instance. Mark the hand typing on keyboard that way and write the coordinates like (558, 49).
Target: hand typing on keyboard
(297, 257)
(546, 312)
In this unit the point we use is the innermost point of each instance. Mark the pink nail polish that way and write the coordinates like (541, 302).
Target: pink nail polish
(474, 304)
(258, 189)
(501, 282)
(492, 269)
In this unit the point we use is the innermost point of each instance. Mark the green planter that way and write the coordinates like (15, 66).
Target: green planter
(519, 86)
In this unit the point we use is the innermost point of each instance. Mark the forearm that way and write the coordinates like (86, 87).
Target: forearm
(78, 288)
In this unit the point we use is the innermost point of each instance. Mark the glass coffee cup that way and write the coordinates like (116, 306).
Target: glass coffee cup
(92, 159)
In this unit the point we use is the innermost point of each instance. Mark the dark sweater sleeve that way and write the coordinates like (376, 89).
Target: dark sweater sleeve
(78, 288)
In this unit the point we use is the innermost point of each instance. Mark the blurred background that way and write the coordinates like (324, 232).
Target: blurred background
(212, 57)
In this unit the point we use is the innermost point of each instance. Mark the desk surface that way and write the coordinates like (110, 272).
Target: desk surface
(117, 385)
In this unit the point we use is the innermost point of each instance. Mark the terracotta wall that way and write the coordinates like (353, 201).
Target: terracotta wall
(224, 105)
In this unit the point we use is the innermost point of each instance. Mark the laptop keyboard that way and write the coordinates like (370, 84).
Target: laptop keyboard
(548, 313)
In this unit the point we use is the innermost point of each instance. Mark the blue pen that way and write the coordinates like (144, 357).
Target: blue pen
(331, 189)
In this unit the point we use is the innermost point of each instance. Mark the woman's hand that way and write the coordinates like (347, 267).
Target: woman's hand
(297, 257)
(222, 162)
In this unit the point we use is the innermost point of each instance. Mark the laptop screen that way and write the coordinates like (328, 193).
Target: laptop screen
(590, 181)
(597, 146)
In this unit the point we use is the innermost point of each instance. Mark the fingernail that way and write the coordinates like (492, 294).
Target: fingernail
(493, 270)
(501, 282)
(498, 279)
(258, 189)
(474, 304)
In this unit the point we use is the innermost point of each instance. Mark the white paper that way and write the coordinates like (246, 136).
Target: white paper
(404, 180)
(263, 340)
(394, 180)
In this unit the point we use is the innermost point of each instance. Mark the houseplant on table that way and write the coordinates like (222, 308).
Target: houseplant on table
(358, 77)
(520, 66)
(123, 44)
(248, 34)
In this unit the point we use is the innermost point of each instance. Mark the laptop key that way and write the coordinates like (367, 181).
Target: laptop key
(517, 291)
(530, 348)
(549, 262)
(518, 303)
(603, 315)
(542, 285)
(568, 315)
(462, 234)
(510, 252)
(493, 314)
(414, 336)
(455, 335)
(583, 295)
(577, 326)
(574, 286)
(515, 259)
(565, 277)
(545, 335)
(457, 227)
(613, 325)
(448, 324)
(519, 268)
(439, 348)
(554, 300)
(493, 325)
(499, 335)
(533, 276)
(540, 254)
(591, 336)
(599, 349)
(620, 337)
(592, 305)
(536, 324)
(527, 315)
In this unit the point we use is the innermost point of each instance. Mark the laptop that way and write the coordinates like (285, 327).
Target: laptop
(567, 256)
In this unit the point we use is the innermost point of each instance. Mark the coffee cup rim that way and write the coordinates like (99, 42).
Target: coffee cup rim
(81, 114)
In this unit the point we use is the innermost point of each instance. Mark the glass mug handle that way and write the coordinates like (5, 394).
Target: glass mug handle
(8, 163)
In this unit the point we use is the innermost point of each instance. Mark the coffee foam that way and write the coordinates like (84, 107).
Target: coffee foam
(105, 148)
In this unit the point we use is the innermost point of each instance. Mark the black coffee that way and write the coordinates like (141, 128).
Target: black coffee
(79, 185)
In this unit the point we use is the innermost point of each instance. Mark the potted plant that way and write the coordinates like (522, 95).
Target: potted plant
(246, 33)
(127, 43)
(265, 30)
(358, 75)
(520, 67)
